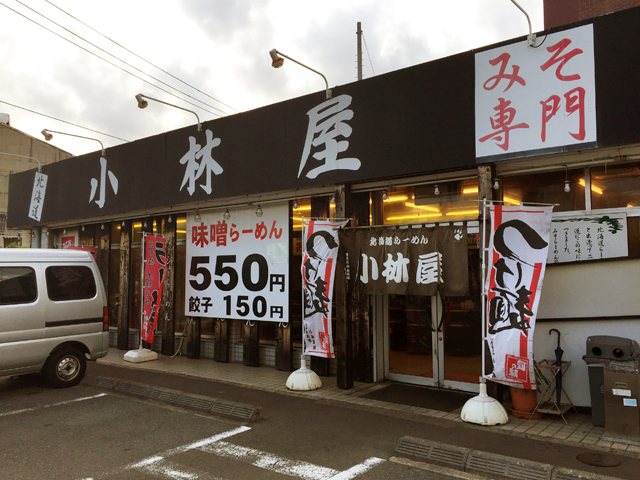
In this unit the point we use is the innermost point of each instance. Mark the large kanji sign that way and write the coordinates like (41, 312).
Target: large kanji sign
(536, 98)
(238, 266)
(408, 261)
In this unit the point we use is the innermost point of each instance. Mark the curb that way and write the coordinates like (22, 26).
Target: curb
(492, 465)
(201, 403)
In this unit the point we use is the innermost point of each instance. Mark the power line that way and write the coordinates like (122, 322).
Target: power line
(138, 56)
(63, 121)
(107, 61)
(368, 56)
(118, 58)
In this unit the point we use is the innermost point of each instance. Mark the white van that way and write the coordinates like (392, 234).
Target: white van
(53, 314)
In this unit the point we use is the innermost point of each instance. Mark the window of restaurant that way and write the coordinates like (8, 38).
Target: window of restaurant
(180, 260)
(432, 203)
(615, 186)
(565, 189)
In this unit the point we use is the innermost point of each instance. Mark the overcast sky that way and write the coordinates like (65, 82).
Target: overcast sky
(220, 47)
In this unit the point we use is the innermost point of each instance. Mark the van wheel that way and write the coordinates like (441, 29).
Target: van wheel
(65, 368)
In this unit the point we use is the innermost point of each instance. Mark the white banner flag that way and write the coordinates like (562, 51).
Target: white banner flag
(516, 259)
(319, 255)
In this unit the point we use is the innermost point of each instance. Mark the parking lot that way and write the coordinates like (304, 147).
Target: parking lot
(86, 433)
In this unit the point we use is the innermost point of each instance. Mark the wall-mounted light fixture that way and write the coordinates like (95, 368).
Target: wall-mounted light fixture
(531, 38)
(567, 184)
(227, 214)
(197, 217)
(436, 190)
(142, 103)
(385, 195)
(496, 184)
(277, 61)
(295, 204)
(259, 211)
(47, 134)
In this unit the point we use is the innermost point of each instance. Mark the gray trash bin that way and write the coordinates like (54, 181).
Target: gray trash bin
(600, 351)
(621, 390)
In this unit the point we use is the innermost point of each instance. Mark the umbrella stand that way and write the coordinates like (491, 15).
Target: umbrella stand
(558, 351)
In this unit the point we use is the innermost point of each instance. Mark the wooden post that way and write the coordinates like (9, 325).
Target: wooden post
(167, 307)
(284, 347)
(251, 349)
(102, 254)
(221, 340)
(193, 338)
(343, 333)
(122, 307)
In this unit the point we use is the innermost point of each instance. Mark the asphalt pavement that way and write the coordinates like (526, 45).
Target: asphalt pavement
(318, 422)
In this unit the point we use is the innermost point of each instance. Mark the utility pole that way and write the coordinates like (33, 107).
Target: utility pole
(359, 53)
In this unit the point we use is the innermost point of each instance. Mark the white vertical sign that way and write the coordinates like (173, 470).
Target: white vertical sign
(238, 267)
(37, 196)
(536, 98)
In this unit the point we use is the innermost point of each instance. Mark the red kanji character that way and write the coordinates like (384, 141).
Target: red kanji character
(212, 233)
(233, 233)
(575, 103)
(561, 59)
(261, 231)
(550, 107)
(199, 235)
(513, 77)
(275, 232)
(501, 123)
(221, 234)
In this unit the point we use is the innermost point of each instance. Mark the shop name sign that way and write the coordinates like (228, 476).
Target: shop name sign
(238, 267)
(592, 237)
(536, 98)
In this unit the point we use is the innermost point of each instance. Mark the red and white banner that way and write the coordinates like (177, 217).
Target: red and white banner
(319, 254)
(517, 257)
(155, 271)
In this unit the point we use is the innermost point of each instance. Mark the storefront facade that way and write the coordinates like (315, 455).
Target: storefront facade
(404, 150)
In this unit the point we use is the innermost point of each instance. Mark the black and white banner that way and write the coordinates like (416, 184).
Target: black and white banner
(319, 256)
(517, 257)
(238, 264)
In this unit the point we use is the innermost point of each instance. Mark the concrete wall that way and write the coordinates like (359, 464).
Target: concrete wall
(600, 291)
(15, 142)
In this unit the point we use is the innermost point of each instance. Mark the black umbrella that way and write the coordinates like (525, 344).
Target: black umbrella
(558, 351)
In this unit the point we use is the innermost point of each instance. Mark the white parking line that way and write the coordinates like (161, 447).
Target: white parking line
(159, 465)
(356, 470)
(67, 402)
(268, 461)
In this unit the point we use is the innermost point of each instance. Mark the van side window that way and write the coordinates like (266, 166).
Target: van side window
(17, 285)
(67, 282)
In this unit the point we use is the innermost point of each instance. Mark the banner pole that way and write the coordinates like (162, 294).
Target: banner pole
(484, 283)
(141, 354)
(142, 264)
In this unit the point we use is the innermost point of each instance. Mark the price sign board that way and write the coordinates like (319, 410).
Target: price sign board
(238, 266)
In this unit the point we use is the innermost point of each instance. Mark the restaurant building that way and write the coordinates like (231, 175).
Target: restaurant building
(554, 121)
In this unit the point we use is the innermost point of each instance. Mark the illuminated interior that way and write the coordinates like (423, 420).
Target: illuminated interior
(444, 202)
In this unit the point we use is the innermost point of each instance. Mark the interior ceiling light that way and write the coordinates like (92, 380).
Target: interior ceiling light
(436, 190)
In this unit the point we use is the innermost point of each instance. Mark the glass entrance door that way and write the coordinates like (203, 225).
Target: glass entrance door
(434, 341)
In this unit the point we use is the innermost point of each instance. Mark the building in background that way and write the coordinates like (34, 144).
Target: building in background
(19, 152)
(563, 12)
